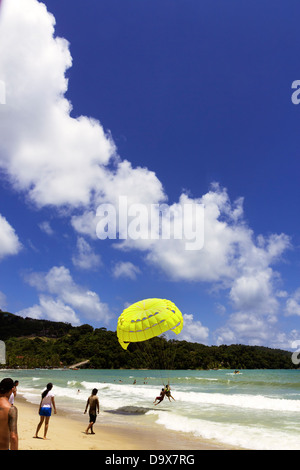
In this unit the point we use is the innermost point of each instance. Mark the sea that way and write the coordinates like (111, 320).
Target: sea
(252, 409)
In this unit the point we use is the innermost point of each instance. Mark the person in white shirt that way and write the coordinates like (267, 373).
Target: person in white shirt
(13, 393)
(45, 409)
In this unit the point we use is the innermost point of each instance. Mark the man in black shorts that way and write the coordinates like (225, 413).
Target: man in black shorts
(93, 403)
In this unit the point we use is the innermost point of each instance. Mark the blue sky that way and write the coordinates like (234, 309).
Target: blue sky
(160, 102)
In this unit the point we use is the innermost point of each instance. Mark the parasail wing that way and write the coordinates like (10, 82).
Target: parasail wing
(148, 318)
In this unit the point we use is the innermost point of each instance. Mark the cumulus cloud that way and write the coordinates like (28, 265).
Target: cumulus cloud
(73, 301)
(255, 329)
(51, 309)
(193, 330)
(85, 257)
(134, 185)
(46, 227)
(85, 223)
(246, 328)
(56, 159)
(293, 304)
(9, 241)
(125, 269)
(254, 293)
(230, 247)
(231, 255)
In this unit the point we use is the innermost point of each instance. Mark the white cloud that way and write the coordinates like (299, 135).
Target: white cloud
(2, 90)
(232, 257)
(9, 241)
(225, 335)
(43, 149)
(46, 227)
(281, 294)
(126, 269)
(70, 298)
(139, 185)
(56, 310)
(193, 330)
(50, 309)
(136, 185)
(85, 223)
(245, 328)
(255, 329)
(36, 312)
(85, 258)
(55, 158)
(293, 304)
(254, 293)
(230, 248)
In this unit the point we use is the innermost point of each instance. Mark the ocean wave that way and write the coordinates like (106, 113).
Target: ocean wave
(237, 435)
(98, 385)
(257, 402)
(208, 379)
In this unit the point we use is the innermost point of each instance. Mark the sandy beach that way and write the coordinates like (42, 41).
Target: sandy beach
(67, 433)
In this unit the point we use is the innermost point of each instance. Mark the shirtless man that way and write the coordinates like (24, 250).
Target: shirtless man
(161, 397)
(93, 403)
(8, 417)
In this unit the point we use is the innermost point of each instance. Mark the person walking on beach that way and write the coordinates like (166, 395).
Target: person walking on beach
(45, 409)
(8, 418)
(93, 403)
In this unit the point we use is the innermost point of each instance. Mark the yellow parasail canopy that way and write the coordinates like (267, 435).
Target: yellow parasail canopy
(148, 318)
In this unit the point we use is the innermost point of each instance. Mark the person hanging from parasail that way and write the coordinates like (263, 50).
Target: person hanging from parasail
(160, 398)
(168, 392)
(147, 319)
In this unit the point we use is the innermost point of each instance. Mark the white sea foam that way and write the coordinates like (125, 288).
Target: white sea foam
(205, 379)
(236, 435)
(255, 402)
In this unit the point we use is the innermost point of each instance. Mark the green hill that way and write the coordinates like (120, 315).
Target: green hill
(15, 326)
(41, 343)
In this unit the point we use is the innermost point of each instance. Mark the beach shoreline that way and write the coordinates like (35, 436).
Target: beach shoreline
(67, 432)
